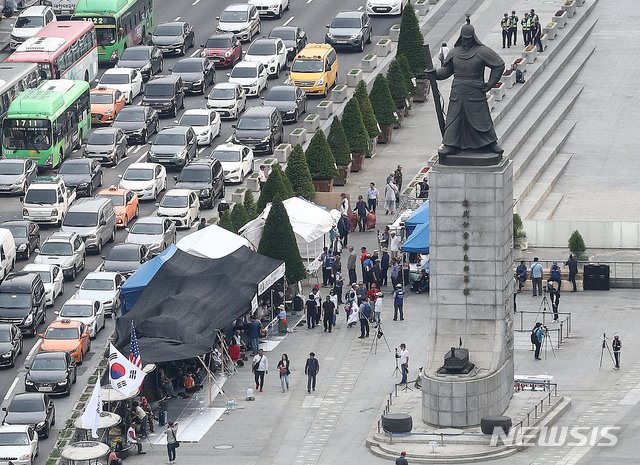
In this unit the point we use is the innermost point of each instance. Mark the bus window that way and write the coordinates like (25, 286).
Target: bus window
(75, 52)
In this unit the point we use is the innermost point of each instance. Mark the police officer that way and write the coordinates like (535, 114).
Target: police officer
(526, 28)
(616, 344)
(513, 27)
(506, 35)
(533, 16)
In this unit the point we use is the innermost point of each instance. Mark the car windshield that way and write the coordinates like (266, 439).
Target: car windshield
(45, 275)
(40, 196)
(158, 90)
(218, 42)
(97, 284)
(226, 155)
(135, 54)
(80, 219)
(127, 116)
(146, 228)
(195, 174)
(56, 249)
(281, 95)
(31, 404)
(174, 201)
(17, 231)
(48, 364)
(253, 122)
(5, 335)
(101, 138)
(346, 23)
(194, 120)
(115, 78)
(262, 48)
(222, 94)
(11, 168)
(284, 34)
(14, 439)
(307, 66)
(138, 174)
(234, 16)
(77, 311)
(61, 333)
(8, 300)
(244, 72)
(188, 66)
(101, 98)
(117, 199)
(29, 21)
(124, 254)
(169, 139)
(168, 30)
(75, 168)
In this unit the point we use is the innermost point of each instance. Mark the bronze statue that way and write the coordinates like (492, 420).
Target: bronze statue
(469, 137)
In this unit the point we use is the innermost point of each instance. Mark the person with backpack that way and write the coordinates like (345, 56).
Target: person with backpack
(554, 274)
(364, 313)
(537, 336)
(536, 277)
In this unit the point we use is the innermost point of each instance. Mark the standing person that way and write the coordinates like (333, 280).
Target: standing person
(361, 210)
(526, 28)
(377, 273)
(442, 54)
(254, 334)
(616, 344)
(402, 459)
(364, 313)
(390, 192)
(394, 244)
(352, 301)
(172, 440)
(311, 369)
(513, 27)
(283, 369)
(344, 204)
(533, 16)
(398, 303)
(351, 266)
(536, 34)
(202, 224)
(326, 258)
(260, 366)
(506, 35)
(132, 438)
(537, 336)
(372, 197)
(262, 177)
(147, 408)
(343, 229)
(554, 297)
(403, 355)
(223, 206)
(536, 277)
(572, 263)
(318, 297)
(141, 418)
(555, 275)
(378, 308)
(384, 266)
(311, 311)
(397, 177)
(337, 287)
(521, 275)
(328, 311)
(367, 272)
(395, 273)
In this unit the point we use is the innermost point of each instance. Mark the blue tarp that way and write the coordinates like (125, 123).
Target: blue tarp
(420, 216)
(418, 242)
(134, 286)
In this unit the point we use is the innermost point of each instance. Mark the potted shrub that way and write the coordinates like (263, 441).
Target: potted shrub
(383, 107)
(498, 91)
(409, 79)
(341, 151)
(368, 117)
(322, 164)
(311, 122)
(383, 47)
(282, 152)
(560, 18)
(354, 77)
(411, 45)
(394, 32)
(276, 184)
(298, 136)
(550, 30)
(325, 109)
(577, 245)
(397, 87)
(356, 133)
(339, 93)
(299, 175)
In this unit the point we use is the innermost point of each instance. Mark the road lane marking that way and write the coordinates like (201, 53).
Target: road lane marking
(229, 138)
(360, 8)
(195, 53)
(137, 149)
(177, 18)
(201, 150)
(33, 350)
(309, 1)
(286, 23)
(98, 268)
(195, 3)
(141, 158)
(11, 388)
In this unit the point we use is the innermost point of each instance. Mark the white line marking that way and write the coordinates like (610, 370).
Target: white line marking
(142, 157)
(286, 23)
(229, 138)
(360, 8)
(309, 1)
(195, 53)
(98, 268)
(139, 103)
(11, 388)
(177, 18)
(137, 149)
(195, 3)
(201, 150)
(33, 350)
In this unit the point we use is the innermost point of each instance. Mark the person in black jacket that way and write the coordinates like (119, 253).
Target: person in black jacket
(361, 209)
(616, 344)
(343, 229)
(572, 263)
(283, 369)
(311, 311)
(311, 369)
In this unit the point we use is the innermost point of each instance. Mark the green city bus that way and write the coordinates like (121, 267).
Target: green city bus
(47, 123)
(119, 24)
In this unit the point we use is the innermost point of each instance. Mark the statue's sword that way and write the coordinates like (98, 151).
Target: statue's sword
(434, 88)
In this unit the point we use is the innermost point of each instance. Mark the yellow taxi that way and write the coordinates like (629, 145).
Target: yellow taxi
(315, 69)
(105, 105)
(66, 336)
(125, 204)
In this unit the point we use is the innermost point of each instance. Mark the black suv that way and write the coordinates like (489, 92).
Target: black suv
(206, 177)
(165, 95)
(22, 301)
(175, 146)
(145, 58)
(259, 128)
(351, 29)
(196, 74)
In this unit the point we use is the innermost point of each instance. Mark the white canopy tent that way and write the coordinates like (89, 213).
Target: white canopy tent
(212, 242)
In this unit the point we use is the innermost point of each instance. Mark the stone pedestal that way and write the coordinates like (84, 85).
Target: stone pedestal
(471, 292)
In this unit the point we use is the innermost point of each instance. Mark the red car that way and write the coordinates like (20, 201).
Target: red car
(223, 49)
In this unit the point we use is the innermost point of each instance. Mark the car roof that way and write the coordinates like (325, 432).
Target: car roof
(29, 395)
(247, 64)
(103, 90)
(175, 130)
(191, 59)
(349, 14)
(179, 192)
(141, 47)
(238, 7)
(24, 223)
(225, 85)
(112, 190)
(32, 267)
(107, 130)
(50, 355)
(64, 323)
(118, 71)
(172, 23)
(150, 219)
(14, 428)
(61, 236)
(35, 10)
(228, 146)
(88, 204)
(13, 160)
(265, 110)
(222, 35)
(291, 89)
(285, 28)
(77, 161)
(169, 78)
(266, 39)
(200, 163)
(144, 165)
(133, 109)
(101, 275)
(125, 247)
(78, 302)
(197, 111)
(19, 279)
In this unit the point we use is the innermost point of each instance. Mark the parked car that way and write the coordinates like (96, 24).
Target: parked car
(271, 52)
(125, 204)
(89, 312)
(52, 279)
(154, 232)
(182, 206)
(16, 175)
(294, 39)
(196, 74)
(271, 8)
(173, 37)
(175, 146)
(165, 94)
(147, 180)
(236, 160)
(251, 76)
(26, 235)
(227, 99)
(290, 101)
(145, 58)
(51, 372)
(241, 19)
(223, 49)
(20, 442)
(138, 123)
(107, 145)
(67, 250)
(31, 409)
(103, 286)
(259, 128)
(10, 344)
(126, 80)
(205, 123)
(205, 177)
(125, 258)
(85, 175)
(106, 103)
(351, 29)
(66, 336)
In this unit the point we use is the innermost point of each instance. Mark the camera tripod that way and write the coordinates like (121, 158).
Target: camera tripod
(546, 341)
(379, 335)
(544, 306)
(605, 345)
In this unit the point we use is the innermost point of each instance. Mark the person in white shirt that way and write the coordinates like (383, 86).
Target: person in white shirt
(372, 197)
(444, 51)
(132, 438)
(378, 308)
(394, 244)
(344, 204)
(262, 177)
(390, 191)
(260, 368)
(403, 355)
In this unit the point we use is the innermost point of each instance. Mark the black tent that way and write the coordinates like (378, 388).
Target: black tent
(189, 298)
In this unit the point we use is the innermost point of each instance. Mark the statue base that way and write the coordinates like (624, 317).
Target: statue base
(489, 155)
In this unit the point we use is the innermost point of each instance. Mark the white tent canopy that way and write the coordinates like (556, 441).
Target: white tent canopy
(212, 242)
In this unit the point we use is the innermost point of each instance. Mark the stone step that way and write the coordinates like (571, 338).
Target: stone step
(549, 206)
(439, 458)
(537, 195)
(540, 150)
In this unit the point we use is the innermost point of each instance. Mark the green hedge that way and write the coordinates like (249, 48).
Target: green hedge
(320, 159)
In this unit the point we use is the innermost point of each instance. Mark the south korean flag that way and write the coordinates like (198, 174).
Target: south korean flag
(124, 375)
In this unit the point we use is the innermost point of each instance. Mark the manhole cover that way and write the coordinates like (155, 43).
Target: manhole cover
(223, 447)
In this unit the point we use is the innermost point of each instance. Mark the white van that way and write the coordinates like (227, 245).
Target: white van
(7, 253)
(29, 22)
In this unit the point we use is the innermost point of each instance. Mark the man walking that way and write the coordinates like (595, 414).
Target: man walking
(262, 177)
(343, 229)
(403, 355)
(513, 27)
(536, 34)
(311, 369)
(351, 266)
(442, 54)
(537, 337)
(328, 311)
(394, 245)
(311, 311)
(397, 177)
(398, 303)
(379, 305)
(260, 366)
(390, 192)
(402, 459)
(526, 28)
(372, 197)
(253, 333)
(554, 296)
(338, 281)
(572, 263)
(536, 277)
(364, 313)
(384, 266)
(327, 263)
(506, 35)
(616, 344)
(361, 210)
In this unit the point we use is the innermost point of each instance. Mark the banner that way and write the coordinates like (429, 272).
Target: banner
(91, 414)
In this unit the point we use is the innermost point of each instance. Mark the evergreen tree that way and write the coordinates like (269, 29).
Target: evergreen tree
(298, 174)
(285, 180)
(279, 242)
(368, 117)
(576, 244)
(406, 71)
(397, 85)
(226, 222)
(411, 41)
(339, 143)
(239, 216)
(275, 185)
(320, 159)
(250, 205)
(382, 102)
(354, 127)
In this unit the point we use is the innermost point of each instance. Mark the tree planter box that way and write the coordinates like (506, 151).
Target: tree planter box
(343, 175)
(369, 62)
(383, 47)
(298, 136)
(323, 185)
(421, 92)
(373, 146)
(550, 30)
(543, 41)
(570, 8)
(252, 182)
(339, 93)
(311, 122)
(508, 78)
(529, 54)
(282, 153)
(354, 77)
(394, 32)
(422, 7)
(560, 18)
(237, 197)
(325, 109)
(386, 131)
(399, 120)
(358, 162)
(498, 91)
(521, 64)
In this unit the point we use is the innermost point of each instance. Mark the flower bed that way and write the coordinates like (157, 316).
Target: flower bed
(559, 13)
(498, 85)
(507, 72)
(529, 48)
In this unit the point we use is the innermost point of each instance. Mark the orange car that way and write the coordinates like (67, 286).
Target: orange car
(125, 204)
(66, 336)
(105, 105)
